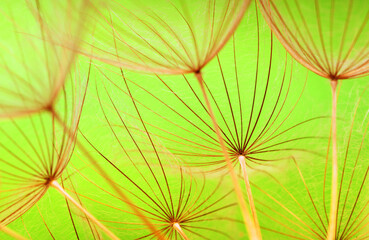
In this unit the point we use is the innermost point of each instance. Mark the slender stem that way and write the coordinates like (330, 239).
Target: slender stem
(334, 198)
(57, 186)
(250, 225)
(178, 228)
(11, 233)
(241, 159)
(105, 176)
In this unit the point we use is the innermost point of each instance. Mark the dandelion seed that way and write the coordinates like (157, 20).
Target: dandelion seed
(34, 65)
(329, 39)
(304, 213)
(177, 203)
(44, 149)
(134, 34)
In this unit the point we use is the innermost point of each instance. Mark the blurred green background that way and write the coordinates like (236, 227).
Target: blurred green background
(315, 102)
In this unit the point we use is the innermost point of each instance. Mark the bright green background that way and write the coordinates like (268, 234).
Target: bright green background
(315, 101)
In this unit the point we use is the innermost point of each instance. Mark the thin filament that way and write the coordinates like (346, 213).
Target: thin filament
(250, 225)
(334, 198)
